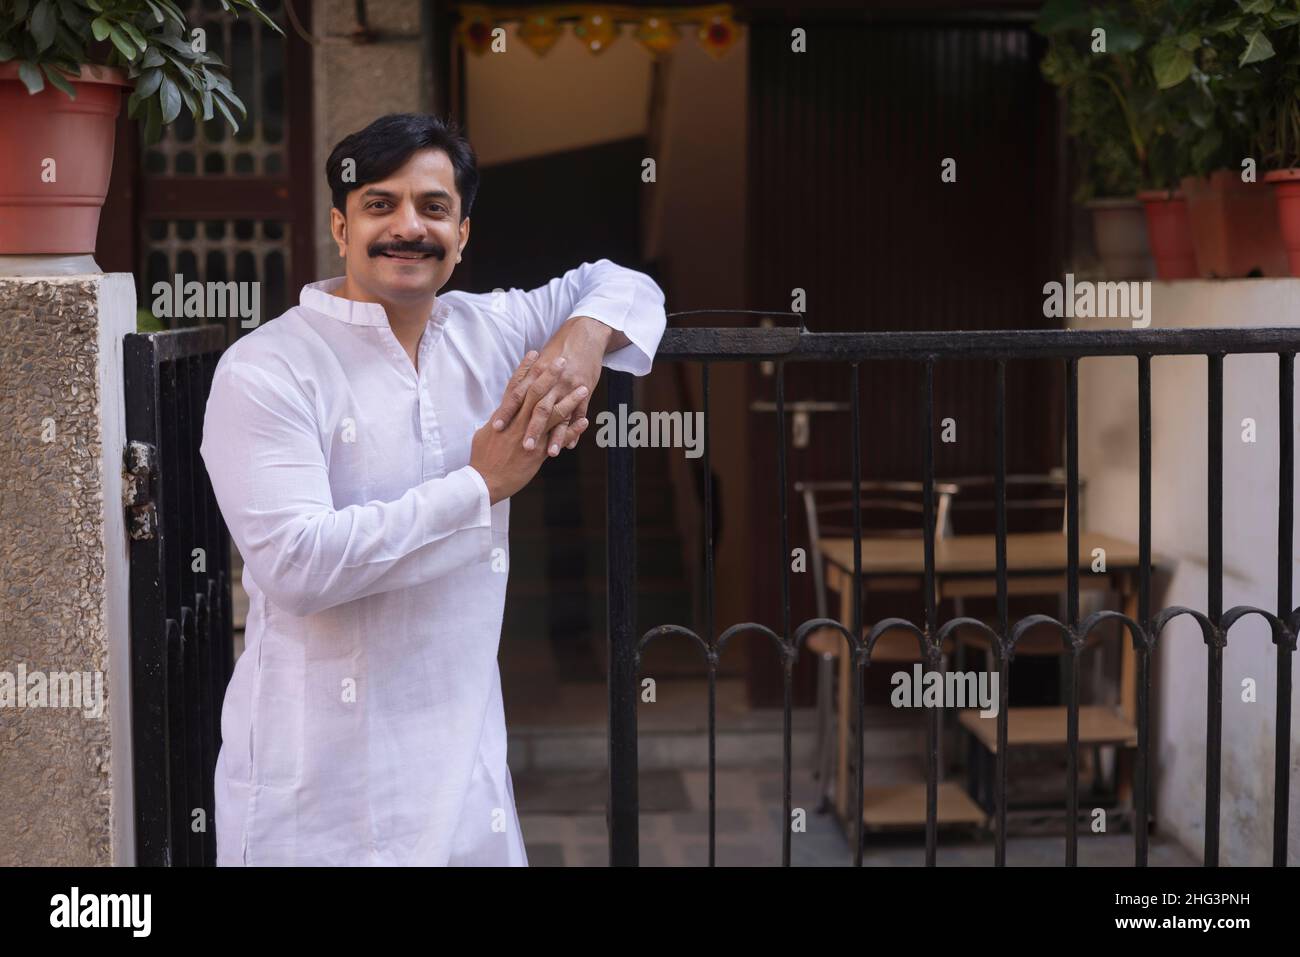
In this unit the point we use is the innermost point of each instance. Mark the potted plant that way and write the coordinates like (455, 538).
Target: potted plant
(63, 64)
(1107, 61)
(1233, 215)
(1268, 74)
(1108, 170)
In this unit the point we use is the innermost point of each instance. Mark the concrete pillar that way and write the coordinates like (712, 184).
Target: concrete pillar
(65, 743)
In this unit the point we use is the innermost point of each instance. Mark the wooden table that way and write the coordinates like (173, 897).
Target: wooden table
(966, 566)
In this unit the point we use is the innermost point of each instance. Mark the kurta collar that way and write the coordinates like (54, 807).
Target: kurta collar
(319, 296)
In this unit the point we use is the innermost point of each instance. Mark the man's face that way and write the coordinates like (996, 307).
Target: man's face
(402, 236)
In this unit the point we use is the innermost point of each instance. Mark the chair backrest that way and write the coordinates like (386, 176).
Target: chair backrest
(888, 509)
(1035, 503)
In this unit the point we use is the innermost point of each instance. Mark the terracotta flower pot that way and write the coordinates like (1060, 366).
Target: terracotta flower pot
(1286, 190)
(1170, 233)
(1234, 226)
(1119, 228)
(53, 207)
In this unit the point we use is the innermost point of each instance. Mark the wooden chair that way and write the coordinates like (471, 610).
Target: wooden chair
(890, 509)
(1032, 501)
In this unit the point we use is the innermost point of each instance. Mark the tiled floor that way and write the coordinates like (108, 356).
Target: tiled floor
(748, 831)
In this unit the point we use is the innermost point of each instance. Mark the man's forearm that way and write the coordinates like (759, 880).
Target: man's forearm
(614, 339)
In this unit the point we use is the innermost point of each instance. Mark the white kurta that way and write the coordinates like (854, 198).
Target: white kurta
(363, 723)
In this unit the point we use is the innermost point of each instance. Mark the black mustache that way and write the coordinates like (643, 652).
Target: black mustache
(379, 249)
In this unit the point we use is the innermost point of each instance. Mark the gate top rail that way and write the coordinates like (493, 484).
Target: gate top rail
(171, 344)
(801, 345)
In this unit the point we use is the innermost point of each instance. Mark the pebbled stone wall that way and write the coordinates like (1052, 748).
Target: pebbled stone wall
(56, 786)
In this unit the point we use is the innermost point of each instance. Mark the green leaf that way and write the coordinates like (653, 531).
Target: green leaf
(171, 100)
(148, 83)
(1059, 15)
(95, 5)
(124, 46)
(44, 20)
(153, 122)
(173, 11)
(20, 14)
(1257, 6)
(1202, 114)
(180, 46)
(226, 113)
(236, 102)
(58, 80)
(1257, 48)
(1205, 147)
(1170, 64)
(1189, 41)
(135, 35)
(190, 99)
(153, 57)
(1223, 26)
(70, 44)
(100, 28)
(31, 77)
(1121, 38)
(6, 51)
(156, 10)
(207, 104)
(72, 15)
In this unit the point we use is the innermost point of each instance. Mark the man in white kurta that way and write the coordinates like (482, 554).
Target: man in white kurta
(363, 724)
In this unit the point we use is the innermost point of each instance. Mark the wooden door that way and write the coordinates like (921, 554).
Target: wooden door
(847, 203)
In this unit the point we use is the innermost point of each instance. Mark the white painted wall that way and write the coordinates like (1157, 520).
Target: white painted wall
(1108, 458)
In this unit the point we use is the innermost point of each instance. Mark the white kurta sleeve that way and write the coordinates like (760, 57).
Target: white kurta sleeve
(625, 300)
(262, 448)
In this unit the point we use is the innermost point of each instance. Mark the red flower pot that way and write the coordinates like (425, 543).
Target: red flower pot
(53, 207)
(1170, 233)
(1286, 190)
(1234, 226)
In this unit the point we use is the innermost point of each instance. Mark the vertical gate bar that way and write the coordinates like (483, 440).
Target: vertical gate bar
(788, 661)
(1143, 657)
(169, 534)
(185, 507)
(708, 618)
(1285, 553)
(178, 834)
(850, 658)
(1000, 496)
(931, 615)
(148, 625)
(194, 756)
(620, 558)
(1214, 678)
(1072, 593)
(213, 625)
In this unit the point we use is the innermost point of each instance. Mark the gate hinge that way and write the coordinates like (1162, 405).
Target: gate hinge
(139, 478)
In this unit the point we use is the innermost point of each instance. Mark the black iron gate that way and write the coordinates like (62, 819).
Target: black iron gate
(181, 643)
(923, 350)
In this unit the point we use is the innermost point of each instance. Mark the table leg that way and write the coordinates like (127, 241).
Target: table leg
(1127, 692)
(844, 585)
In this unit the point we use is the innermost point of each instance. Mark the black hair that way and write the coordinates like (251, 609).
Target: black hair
(385, 145)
